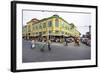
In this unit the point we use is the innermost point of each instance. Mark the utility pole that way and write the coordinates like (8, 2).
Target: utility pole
(90, 28)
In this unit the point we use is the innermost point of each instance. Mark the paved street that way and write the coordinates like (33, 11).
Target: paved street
(58, 52)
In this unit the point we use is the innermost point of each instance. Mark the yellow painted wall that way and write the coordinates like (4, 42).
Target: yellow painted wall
(53, 28)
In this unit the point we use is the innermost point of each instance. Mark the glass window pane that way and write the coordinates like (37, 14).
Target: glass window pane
(57, 22)
(49, 23)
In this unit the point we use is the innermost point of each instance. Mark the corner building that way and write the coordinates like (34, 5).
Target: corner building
(54, 27)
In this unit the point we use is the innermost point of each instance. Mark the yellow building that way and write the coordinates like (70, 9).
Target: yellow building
(27, 29)
(54, 27)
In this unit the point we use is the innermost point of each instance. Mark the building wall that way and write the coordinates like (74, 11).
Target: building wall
(55, 26)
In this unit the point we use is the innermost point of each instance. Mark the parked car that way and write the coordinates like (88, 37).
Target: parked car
(70, 40)
(86, 41)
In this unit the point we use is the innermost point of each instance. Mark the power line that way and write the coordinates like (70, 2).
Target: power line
(84, 26)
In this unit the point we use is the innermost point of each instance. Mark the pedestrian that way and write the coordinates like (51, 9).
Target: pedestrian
(33, 44)
(48, 44)
(42, 47)
(77, 41)
(66, 42)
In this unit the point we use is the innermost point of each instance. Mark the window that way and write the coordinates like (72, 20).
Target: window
(66, 27)
(44, 32)
(29, 34)
(36, 27)
(36, 33)
(56, 32)
(66, 33)
(33, 27)
(40, 33)
(62, 32)
(50, 32)
(63, 24)
(49, 23)
(44, 25)
(40, 27)
(57, 22)
(29, 29)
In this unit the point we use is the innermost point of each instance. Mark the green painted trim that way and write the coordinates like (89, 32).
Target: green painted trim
(44, 19)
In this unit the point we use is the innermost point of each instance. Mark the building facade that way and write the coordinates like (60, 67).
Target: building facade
(49, 28)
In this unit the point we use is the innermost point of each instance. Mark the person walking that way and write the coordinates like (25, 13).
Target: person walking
(77, 41)
(33, 44)
(48, 44)
(66, 42)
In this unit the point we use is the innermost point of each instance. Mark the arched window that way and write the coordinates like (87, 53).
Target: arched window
(49, 23)
(57, 22)
(44, 25)
(40, 26)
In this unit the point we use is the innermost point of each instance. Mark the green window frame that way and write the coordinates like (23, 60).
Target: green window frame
(63, 24)
(36, 27)
(56, 32)
(57, 22)
(50, 32)
(44, 25)
(49, 23)
(44, 32)
(40, 26)
(29, 29)
(62, 32)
